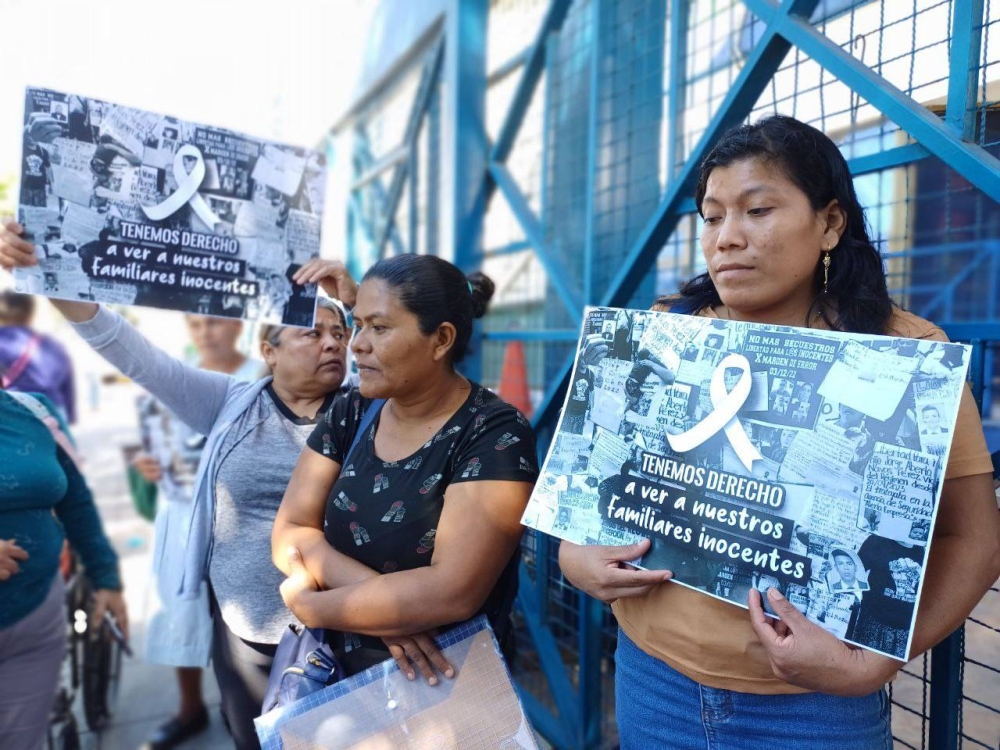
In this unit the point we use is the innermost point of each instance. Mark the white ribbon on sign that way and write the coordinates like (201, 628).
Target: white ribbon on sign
(726, 405)
(187, 189)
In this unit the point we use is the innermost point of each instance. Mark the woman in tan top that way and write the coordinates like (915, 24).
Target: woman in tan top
(778, 200)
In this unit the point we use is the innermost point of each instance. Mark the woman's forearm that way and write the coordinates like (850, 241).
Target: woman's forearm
(78, 515)
(330, 568)
(394, 604)
(195, 396)
(964, 559)
(957, 577)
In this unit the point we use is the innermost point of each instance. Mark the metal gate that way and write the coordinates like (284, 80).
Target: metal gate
(556, 145)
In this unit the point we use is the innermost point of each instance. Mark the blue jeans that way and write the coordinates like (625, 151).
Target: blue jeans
(658, 707)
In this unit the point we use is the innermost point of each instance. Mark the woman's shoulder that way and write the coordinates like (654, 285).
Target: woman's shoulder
(905, 324)
(37, 404)
(665, 302)
(497, 433)
(483, 400)
(243, 393)
(347, 407)
(681, 305)
(489, 412)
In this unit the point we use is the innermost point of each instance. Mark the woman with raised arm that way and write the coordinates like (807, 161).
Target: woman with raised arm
(785, 242)
(216, 549)
(416, 524)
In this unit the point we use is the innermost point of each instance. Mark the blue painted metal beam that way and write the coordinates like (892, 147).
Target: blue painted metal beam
(972, 331)
(542, 719)
(888, 159)
(975, 164)
(593, 119)
(533, 67)
(963, 66)
(508, 249)
(355, 208)
(433, 179)
(755, 76)
(536, 236)
(428, 81)
(363, 162)
(548, 654)
(512, 65)
(679, 11)
(468, 146)
(551, 334)
(413, 178)
(591, 619)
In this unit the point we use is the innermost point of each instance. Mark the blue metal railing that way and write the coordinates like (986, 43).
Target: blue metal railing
(566, 670)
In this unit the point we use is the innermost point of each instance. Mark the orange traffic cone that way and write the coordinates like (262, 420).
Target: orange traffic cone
(514, 378)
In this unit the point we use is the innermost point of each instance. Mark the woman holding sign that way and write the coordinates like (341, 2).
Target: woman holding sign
(785, 242)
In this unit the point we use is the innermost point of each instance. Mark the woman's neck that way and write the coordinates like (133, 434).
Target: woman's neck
(442, 396)
(300, 404)
(809, 315)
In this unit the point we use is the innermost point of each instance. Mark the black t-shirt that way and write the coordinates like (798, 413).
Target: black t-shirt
(385, 513)
(893, 578)
(33, 167)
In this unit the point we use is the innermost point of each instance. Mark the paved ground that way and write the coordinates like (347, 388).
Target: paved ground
(148, 694)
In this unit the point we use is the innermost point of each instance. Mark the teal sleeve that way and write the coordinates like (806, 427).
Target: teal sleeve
(78, 515)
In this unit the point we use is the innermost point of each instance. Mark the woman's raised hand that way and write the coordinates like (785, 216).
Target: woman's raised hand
(605, 572)
(17, 252)
(332, 276)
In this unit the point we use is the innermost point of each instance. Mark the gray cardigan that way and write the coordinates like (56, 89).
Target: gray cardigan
(209, 402)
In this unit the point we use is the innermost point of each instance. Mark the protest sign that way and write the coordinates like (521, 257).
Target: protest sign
(175, 445)
(167, 213)
(757, 456)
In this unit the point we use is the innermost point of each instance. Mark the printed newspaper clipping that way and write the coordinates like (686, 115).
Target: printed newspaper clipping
(759, 456)
(130, 207)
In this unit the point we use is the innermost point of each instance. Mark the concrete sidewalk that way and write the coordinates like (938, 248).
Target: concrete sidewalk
(147, 694)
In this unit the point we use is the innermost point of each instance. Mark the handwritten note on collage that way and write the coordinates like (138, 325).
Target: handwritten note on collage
(759, 456)
(132, 207)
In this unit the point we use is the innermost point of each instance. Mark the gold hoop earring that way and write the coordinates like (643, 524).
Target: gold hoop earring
(826, 270)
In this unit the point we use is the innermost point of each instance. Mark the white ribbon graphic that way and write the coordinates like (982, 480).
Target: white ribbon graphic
(187, 190)
(726, 405)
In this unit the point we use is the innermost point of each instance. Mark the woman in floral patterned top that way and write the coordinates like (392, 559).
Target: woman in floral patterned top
(416, 524)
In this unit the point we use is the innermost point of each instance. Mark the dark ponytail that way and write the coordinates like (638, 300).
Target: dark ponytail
(436, 292)
(481, 287)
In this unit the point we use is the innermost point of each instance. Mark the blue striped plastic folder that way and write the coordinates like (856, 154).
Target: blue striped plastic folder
(380, 708)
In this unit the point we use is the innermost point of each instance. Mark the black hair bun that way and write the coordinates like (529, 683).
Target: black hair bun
(482, 292)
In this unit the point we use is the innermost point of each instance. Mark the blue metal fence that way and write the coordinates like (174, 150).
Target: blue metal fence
(556, 143)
